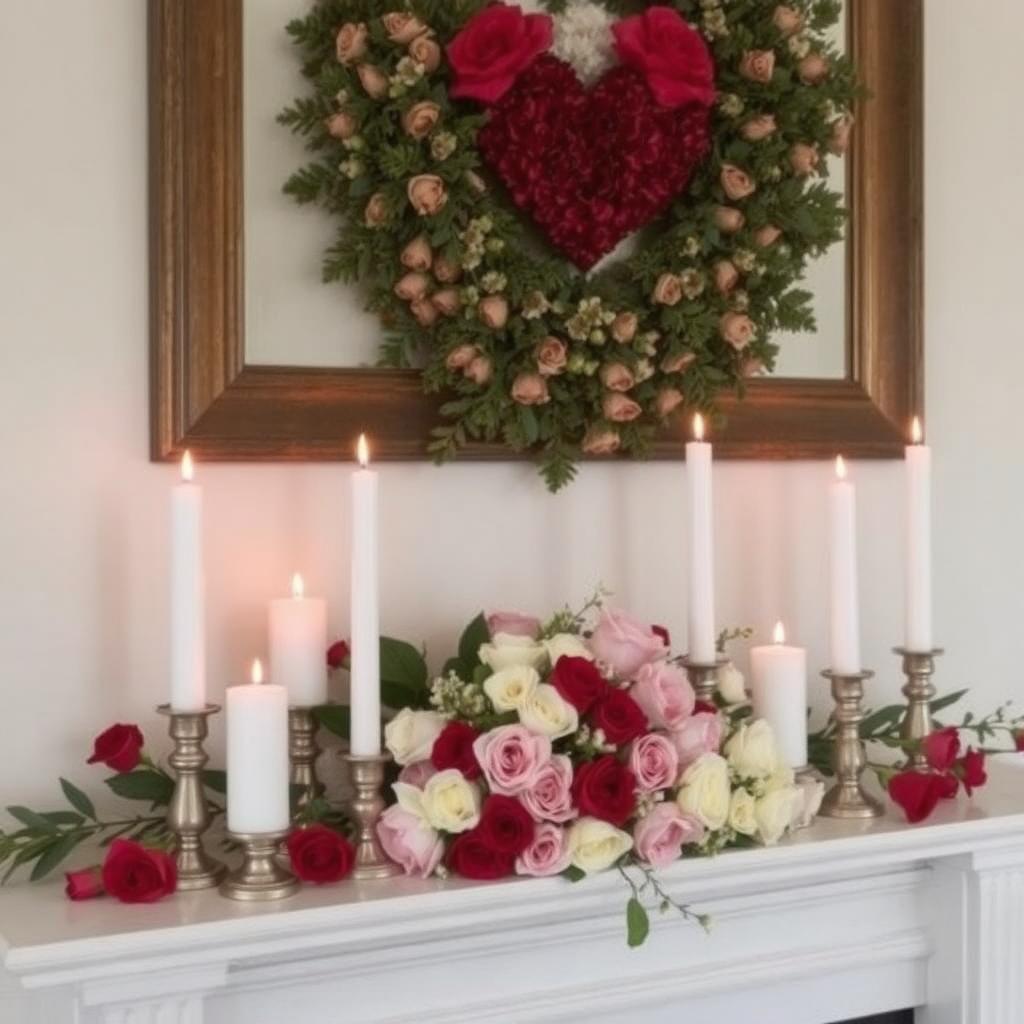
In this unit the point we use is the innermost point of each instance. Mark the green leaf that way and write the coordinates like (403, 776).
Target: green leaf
(54, 854)
(398, 695)
(940, 703)
(473, 637)
(574, 874)
(336, 718)
(64, 818)
(401, 663)
(638, 924)
(883, 718)
(143, 785)
(31, 819)
(78, 799)
(216, 780)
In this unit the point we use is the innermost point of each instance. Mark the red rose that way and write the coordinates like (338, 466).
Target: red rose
(670, 54)
(702, 707)
(578, 682)
(454, 749)
(119, 747)
(619, 717)
(84, 885)
(972, 770)
(1018, 740)
(494, 48)
(941, 748)
(319, 854)
(472, 856)
(337, 654)
(505, 825)
(663, 633)
(134, 874)
(605, 789)
(918, 793)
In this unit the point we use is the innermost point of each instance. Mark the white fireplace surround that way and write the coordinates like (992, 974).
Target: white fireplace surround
(840, 921)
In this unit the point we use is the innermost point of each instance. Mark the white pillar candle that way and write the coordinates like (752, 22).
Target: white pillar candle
(188, 628)
(779, 695)
(298, 646)
(701, 639)
(845, 624)
(365, 631)
(257, 727)
(918, 636)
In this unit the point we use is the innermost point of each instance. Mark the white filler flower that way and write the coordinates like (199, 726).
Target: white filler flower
(583, 37)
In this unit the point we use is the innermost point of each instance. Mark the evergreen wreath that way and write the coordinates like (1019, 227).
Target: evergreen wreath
(482, 158)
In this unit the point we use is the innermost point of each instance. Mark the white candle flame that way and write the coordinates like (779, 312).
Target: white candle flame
(840, 468)
(779, 636)
(363, 451)
(916, 431)
(698, 427)
(298, 586)
(187, 468)
(257, 671)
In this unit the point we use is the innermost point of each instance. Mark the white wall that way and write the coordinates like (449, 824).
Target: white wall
(83, 636)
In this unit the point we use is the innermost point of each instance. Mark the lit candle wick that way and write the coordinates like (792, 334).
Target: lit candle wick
(840, 468)
(363, 451)
(257, 671)
(298, 587)
(779, 636)
(916, 432)
(187, 468)
(698, 427)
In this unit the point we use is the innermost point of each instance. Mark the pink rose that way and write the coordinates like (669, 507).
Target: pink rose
(460, 357)
(664, 693)
(412, 286)
(424, 311)
(417, 255)
(787, 20)
(552, 356)
(493, 49)
(654, 762)
(624, 328)
(350, 43)
(341, 125)
(512, 624)
(427, 194)
(402, 28)
(699, 734)
(425, 51)
(547, 855)
(421, 119)
(409, 843)
(376, 212)
(751, 367)
(659, 838)
(667, 401)
(758, 65)
(759, 127)
(417, 773)
(726, 276)
(446, 272)
(767, 236)
(493, 312)
(728, 220)
(813, 69)
(678, 363)
(737, 329)
(668, 290)
(670, 54)
(549, 797)
(617, 377)
(510, 757)
(736, 183)
(804, 159)
(839, 142)
(480, 370)
(530, 389)
(373, 80)
(620, 409)
(624, 643)
(600, 441)
(447, 301)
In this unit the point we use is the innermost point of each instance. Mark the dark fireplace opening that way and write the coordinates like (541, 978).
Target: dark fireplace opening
(895, 1017)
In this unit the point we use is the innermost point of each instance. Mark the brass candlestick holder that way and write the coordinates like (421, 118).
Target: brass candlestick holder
(918, 667)
(368, 779)
(261, 875)
(847, 798)
(303, 750)
(704, 677)
(188, 816)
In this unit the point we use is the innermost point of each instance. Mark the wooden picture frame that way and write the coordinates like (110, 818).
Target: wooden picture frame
(204, 396)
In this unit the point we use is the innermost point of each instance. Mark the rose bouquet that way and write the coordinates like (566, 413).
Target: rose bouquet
(576, 746)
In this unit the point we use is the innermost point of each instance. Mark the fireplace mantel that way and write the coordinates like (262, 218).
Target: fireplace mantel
(840, 921)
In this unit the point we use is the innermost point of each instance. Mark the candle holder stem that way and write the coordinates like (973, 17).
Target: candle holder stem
(704, 677)
(188, 815)
(918, 667)
(261, 875)
(367, 806)
(303, 751)
(847, 798)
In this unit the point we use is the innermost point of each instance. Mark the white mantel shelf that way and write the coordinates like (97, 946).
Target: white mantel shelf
(839, 921)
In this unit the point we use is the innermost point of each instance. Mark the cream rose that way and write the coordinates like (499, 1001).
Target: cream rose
(350, 43)
(736, 183)
(566, 645)
(752, 752)
(402, 28)
(758, 65)
(510, 688)
(624, 328)
(507, 650)
(743, 813)
(737, 329)
(417, 255)
(774, 812)
(552, 356)
(426, 51)
(410, 735)
(668, 291)
(427, 194)
(705, 791)
(450, 802)
(731, 684)
(805, 810)
(594, 845)
(547, 713)
(421, 119)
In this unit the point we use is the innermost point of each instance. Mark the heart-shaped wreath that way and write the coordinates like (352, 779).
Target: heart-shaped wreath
(488, 162)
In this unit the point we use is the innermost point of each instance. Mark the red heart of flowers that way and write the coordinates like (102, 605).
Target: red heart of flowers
(591, 167)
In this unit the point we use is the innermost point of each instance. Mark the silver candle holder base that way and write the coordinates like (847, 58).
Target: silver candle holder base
(704, 677)
(918, 667)
(847, 798)
(261, 875)
(367, 806)
(303, 751)
(188, 816)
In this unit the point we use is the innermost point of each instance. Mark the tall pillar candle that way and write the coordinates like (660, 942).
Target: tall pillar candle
(298, 646)
(918, 638)
(188, 627)
(701, 615)
(845, 612)
(779, 695)
(257, 761)
(365, 631)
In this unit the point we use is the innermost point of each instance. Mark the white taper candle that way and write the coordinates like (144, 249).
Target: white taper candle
(188, 626)
(918, 637)
(701, 614)
(845, 622)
